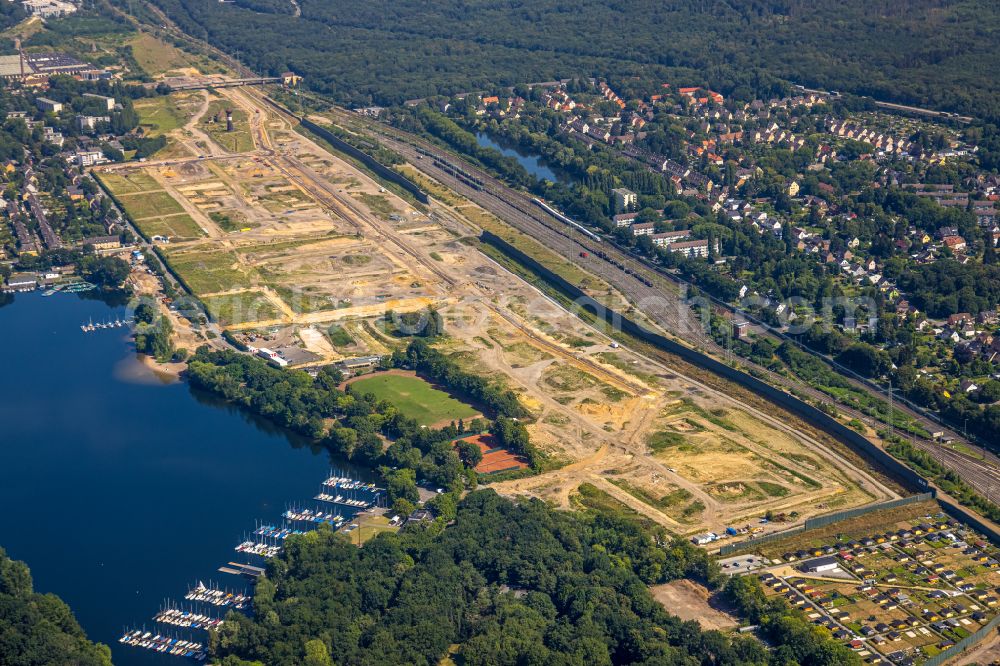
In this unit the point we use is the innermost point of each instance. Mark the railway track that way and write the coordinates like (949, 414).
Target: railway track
(648, 291)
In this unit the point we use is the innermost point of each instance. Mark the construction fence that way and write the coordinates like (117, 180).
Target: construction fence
(366, 159)
(964, 644)
(822, 521)
(829, 518)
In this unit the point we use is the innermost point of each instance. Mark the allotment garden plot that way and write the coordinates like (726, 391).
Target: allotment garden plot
(902, 585)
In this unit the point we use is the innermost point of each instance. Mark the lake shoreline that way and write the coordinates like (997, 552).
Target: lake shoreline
(153, 483)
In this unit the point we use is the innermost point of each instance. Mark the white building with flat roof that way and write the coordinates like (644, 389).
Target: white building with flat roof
(624, 199)
(47, 9)
(86, 158)
(820, 564)
(109, 102)
(47, 105)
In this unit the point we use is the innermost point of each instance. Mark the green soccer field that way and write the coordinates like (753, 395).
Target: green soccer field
(415, 398)
(150, 204)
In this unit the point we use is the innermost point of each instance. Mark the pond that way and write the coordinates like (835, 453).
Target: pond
(534, 164)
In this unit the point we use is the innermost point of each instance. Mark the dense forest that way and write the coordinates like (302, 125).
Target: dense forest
(11, 13)
(506, 583)
(935, 52)
(39, 629)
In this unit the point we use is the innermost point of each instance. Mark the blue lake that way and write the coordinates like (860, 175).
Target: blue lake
(120, 489)
(534, 164)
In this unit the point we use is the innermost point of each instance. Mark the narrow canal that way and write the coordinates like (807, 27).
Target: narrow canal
(118, 489)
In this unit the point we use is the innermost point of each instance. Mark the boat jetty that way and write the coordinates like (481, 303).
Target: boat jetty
(345, 483)
(187, 619)
(164, 644)
(90, 326)
(310, 516)
(69, 288)
(217, 597)
(265, 550)
(279, 533)
(240, 569)
(345, 491)
(345, 501)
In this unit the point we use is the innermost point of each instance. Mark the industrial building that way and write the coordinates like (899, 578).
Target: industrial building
(819, 565)
(36, 68)
(11, 67)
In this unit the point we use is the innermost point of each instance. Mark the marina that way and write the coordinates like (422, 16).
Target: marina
(33, 283)
(265, 543)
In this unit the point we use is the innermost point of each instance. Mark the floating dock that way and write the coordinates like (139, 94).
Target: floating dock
(216, 597)
(315, 517)
(77, 287)
(241, 569)
(346, 483)
(90, 326)
(266, 550)
(344, 501)
(164, 644)
(187, 619)
(279, 533)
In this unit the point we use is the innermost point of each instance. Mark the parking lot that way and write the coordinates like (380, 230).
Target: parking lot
(741, 564)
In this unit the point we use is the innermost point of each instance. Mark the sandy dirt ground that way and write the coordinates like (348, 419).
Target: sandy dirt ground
(984, 654)
(295, 227)
(690, 601)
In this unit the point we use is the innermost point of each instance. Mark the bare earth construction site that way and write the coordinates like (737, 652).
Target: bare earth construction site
(296, 248)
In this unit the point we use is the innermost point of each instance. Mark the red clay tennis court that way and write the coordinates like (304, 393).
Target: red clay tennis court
(495, 457)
